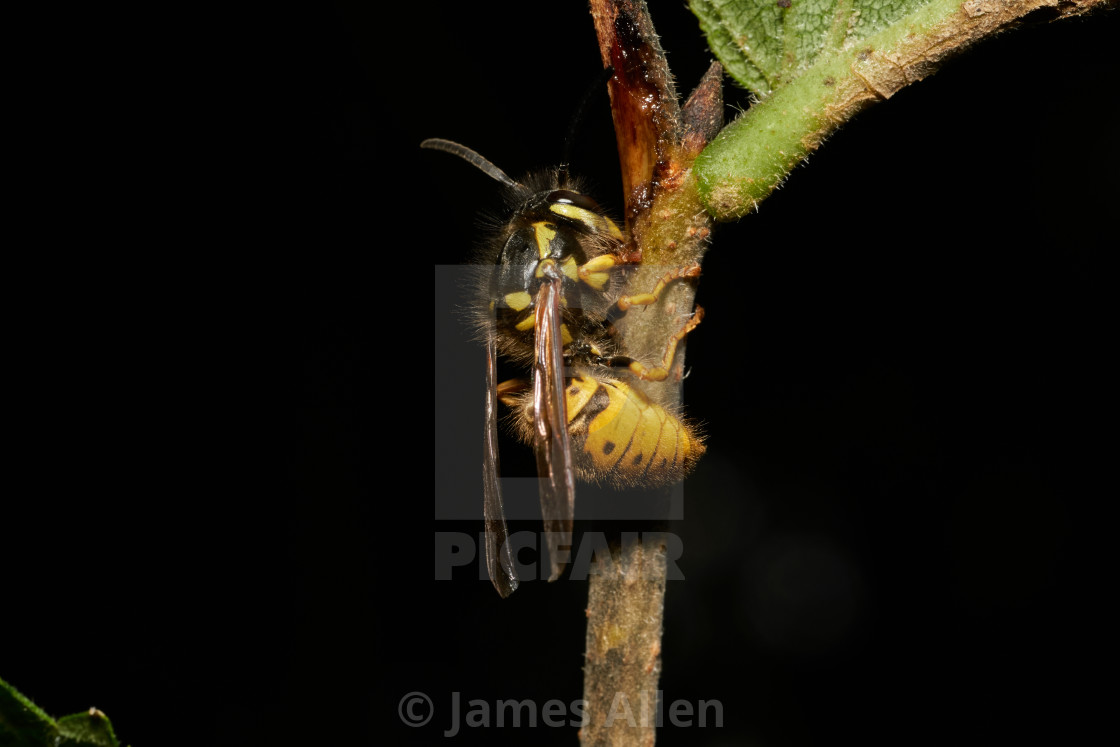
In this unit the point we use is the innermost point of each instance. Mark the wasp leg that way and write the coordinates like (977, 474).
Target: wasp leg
(596, 272)
(645, 299)
(507, 391)
(661, 372)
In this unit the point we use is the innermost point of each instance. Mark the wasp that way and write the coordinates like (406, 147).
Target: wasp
(548, 301)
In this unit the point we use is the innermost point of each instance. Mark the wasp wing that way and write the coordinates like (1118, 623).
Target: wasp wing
(555, 469)
(499, 558)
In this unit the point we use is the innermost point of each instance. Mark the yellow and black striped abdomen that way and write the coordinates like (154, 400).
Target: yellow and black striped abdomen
(621, 438)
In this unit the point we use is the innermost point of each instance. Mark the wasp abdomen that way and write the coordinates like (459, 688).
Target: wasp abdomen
(624, 439)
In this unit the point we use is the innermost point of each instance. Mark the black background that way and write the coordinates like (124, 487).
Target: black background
(221, 516)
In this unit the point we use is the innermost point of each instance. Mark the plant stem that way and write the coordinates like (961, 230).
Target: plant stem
(668, 228)
(623, 660)
(755, 153)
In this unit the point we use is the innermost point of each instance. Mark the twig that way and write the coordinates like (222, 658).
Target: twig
(668, 227)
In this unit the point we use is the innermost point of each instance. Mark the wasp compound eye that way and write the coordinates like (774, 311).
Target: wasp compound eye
(580, 210)
(568, 197)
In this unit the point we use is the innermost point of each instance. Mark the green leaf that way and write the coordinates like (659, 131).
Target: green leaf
(24, 724)
(817, 63)
(765, 46)
(89, 728)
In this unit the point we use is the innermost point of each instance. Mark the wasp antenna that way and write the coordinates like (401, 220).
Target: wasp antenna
(471, 157)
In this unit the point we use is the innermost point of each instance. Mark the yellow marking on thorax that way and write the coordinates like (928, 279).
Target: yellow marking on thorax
(565, 335)
(545, 233)
(571, 269)
(525, 324)
(541, 265)
(518, 300)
